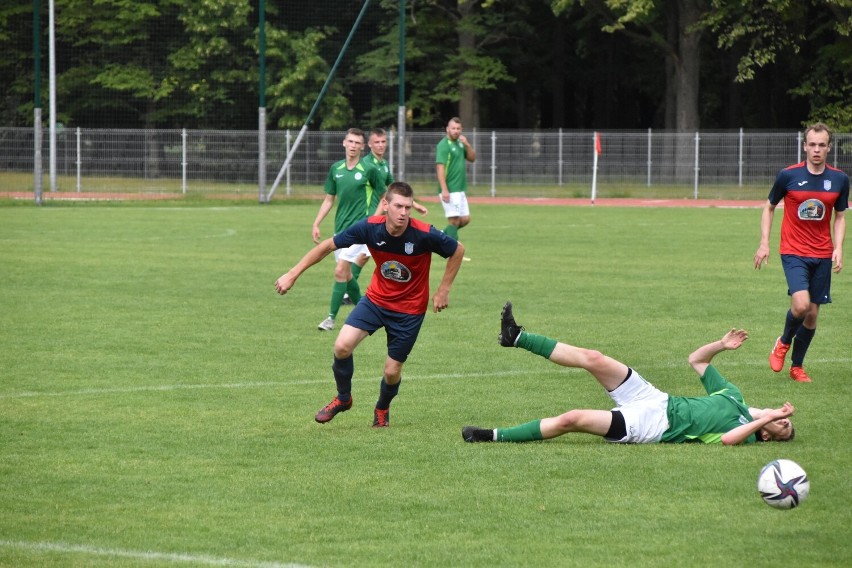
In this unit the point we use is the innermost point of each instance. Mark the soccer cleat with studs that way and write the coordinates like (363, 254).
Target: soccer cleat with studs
(509, 329)
(776, 357)
(332, 409)
(327, 324)
(474, 434)
(381, 418)
(799, 375)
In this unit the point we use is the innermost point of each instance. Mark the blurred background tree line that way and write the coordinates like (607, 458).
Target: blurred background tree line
(574, 64)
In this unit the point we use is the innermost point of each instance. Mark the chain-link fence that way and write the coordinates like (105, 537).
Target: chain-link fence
(730, 164)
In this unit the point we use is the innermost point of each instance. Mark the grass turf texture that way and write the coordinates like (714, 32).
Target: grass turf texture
(157, 397)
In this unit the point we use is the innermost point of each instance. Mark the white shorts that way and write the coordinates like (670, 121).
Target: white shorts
(457, 206)
(350, 254)
(644, 409)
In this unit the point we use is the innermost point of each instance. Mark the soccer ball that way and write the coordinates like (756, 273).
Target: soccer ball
(783, 484)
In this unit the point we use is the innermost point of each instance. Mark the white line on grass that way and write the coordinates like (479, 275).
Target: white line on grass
(262, 384)
(65, 548)
(160, 388)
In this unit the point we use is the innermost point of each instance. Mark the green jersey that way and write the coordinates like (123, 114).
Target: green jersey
(357, 191)
(705, 419)
(453, 156)
(382, 166)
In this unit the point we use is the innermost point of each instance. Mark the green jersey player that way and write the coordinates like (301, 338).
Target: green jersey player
(644, 414)
(451, 153)
(377, 141)
(357, 187)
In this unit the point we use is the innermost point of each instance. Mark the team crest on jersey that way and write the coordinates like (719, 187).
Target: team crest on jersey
(395, 270)
(812, 210)
(826, 184)
(409, 248)
(358, 176)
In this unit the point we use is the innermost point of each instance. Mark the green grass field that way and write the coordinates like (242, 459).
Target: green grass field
(157, 397)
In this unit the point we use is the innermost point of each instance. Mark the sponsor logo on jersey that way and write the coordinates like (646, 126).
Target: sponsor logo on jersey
(811, 210)
(380, 243)
(826, 184)
(338, 176)
(396, 271)
(409, 248)
(801, 183)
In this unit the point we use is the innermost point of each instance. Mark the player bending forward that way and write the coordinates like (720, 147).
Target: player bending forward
(643, 413)
(396, 299)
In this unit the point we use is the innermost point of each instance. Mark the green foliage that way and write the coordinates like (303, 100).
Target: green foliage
(157, 398)
(188, 63)
(297, 73)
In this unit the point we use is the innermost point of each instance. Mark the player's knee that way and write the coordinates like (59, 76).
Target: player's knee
(342, 350)
(593, 359)
(568, 422)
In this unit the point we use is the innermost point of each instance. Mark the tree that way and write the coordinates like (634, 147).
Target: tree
(763, 30)
(297, 72)
(446, 55)
(672, 29)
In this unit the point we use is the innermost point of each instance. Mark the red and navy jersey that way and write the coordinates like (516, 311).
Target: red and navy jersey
(401, 279)
(808, 201)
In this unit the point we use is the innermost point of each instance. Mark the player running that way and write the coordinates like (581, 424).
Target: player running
(396, 299)
(810, 191)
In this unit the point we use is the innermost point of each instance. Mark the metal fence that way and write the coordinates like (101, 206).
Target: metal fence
(509, 162)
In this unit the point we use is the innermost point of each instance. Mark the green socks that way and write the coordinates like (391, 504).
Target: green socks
(538, 344)
(529, 432)
(452, 231)
(337, 292)
(352, 287)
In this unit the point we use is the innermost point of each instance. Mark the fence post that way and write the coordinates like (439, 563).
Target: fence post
(476, 145)
(287, 187)
(798, 146)
(697, 139)
(79, 161)
(493, 163)
(649, 157)
(740, 165)
(559, 158)
(261, 154)
(390, 149)
(183, 161)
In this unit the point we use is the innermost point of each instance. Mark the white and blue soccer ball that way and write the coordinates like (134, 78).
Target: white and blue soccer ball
(783, 484)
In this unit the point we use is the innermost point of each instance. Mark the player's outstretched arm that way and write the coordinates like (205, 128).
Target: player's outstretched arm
(761, 418)
(701, 357)
(316, 254)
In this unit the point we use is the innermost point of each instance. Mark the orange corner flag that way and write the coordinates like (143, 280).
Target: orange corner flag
(598, 143)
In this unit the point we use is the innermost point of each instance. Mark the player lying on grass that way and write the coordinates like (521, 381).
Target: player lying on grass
(643, 413)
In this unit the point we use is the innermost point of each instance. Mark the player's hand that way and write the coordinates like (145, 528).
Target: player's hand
(284, 283)
(440, 301)
(784, 412)
(316, 235)
(734, 338)
(837, 261)
(463, 139)
(420, 209)
(445, 196)
(761, 257)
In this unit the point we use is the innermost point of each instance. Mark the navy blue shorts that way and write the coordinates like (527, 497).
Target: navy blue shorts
(811, 274)
(402, 329)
